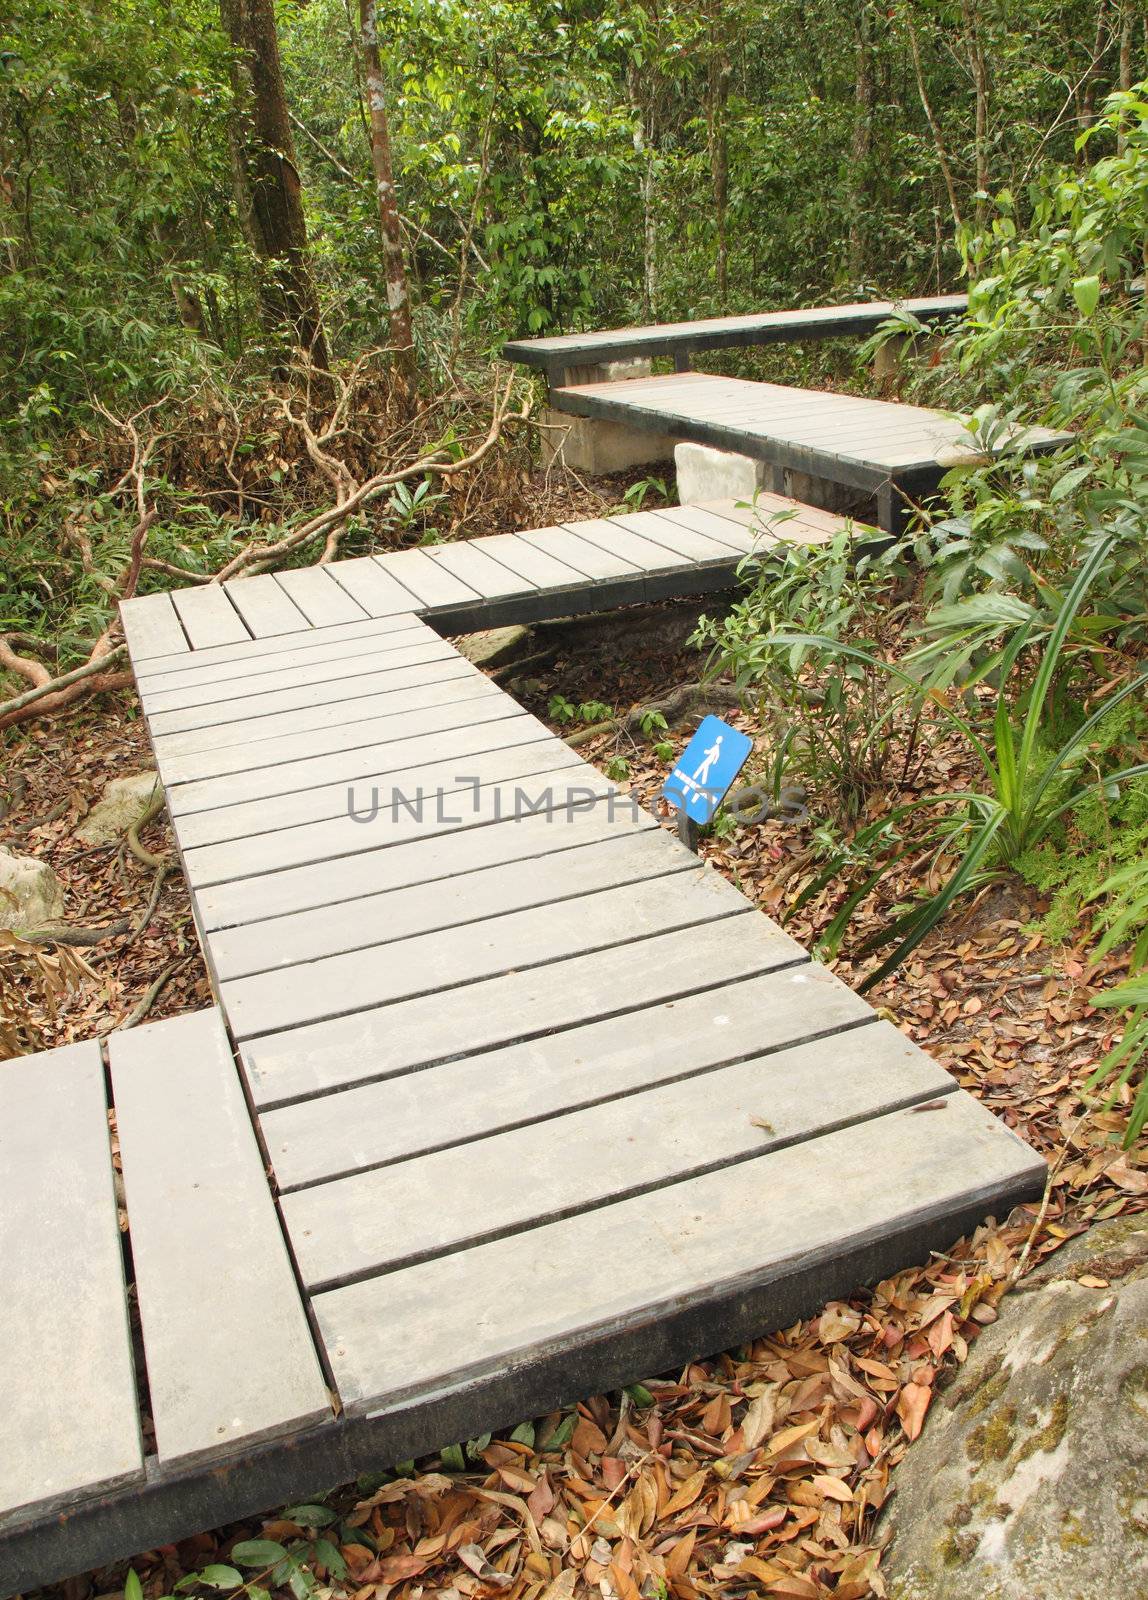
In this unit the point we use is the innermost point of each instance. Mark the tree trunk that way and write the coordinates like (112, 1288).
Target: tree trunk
(266, 178)
(717, 94)
(398, 297)
(862, 140)
(930, 117)
(978, 68)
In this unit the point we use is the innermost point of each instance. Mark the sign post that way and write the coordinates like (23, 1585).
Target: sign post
(703, 775)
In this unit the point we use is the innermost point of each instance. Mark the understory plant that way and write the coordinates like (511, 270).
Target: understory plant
(1025, 784)
(831, 729)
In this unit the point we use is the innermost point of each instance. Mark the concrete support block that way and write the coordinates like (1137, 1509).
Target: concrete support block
(706, 474)
(610, 371)
(600, 447)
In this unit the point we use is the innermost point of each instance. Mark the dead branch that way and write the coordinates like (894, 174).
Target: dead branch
(673, 706)
(49, 694)
(351, 496)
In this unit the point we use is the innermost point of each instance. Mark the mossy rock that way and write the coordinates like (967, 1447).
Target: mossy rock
(1031, 1476)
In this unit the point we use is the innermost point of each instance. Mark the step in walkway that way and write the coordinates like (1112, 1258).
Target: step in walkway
(580, 567)
(507, 1100)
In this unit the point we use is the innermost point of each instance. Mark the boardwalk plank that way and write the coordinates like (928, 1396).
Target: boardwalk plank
(266, 608)
(613, 536)
(232, 807)
(300, 1062)
(370, 586)
(461, 758)
(428, 580)
(344, 661)
(311, 654)
(69, 1389)
(531, 563)
(208, 617)
(488, 577)
(370, 921)
(540, 1080)
(380, 682)
(450, 704)
(362, 749)
(424, 856)
(230, 1357)
(565, 545)
(716, 333)
(319, 597)
(745, 1248)
(462, 1197)
(359, 981)
(253, 650)
(402, 813)
(152, 627)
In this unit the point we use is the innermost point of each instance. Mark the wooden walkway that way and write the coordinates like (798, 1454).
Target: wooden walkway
(541, 573)
(560, 352)
(883, 448)
(524, 1102)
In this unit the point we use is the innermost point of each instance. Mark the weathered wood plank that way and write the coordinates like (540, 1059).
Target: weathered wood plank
(383, 680)
(230, 1357)
(300, 1062)
(689, 536)
(152, 627)
(372, 587)
(375, 1124)
(358, 981)
(319, 597)
(537, 566)
(373, 920)
(612, 536)
(321, 783)
(449, 704)
(368, 748)
(402, 813)
(461, 759)
(208, 617)
(488, 577)
(428, 580)
(265, 607)
(565, 545)
(716, 333)
(252, 649)
(258, 669)
(72, 1424)
(341, 662)
(745, 1249)
(431, 855)
(459, 1198)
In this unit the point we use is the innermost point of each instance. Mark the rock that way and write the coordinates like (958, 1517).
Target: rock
(123, 802)
(31, 895)
(1030, 1480)
(493, 646)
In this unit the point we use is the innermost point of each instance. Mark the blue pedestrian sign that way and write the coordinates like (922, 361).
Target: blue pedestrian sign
(706, 769)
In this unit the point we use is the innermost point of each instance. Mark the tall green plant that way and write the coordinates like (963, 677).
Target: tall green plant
(1024, 788)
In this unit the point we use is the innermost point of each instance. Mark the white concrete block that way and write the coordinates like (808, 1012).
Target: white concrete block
(708, 474)
(598, 447)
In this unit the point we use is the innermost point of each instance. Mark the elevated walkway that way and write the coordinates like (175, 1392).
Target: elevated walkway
(507, 1098)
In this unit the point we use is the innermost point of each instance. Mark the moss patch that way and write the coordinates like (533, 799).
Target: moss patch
(1050, 1435)
(992, 1440)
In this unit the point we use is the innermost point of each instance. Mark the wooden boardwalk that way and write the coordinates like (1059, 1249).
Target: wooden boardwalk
(507, 1100)
(560, 352)
(879, 447)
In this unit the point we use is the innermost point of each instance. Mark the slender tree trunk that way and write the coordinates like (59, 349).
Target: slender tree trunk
(266, 178)
(1088, 97)
(974, 45)
(930, 117)
(717, 95)
(862, 140)
(1124, 80)
(645, 148)
(398, 295)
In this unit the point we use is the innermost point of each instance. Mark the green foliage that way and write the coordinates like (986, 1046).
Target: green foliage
(832, 728)
(1028, 781)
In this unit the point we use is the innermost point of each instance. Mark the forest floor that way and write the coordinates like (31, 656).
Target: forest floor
(757, 1470)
